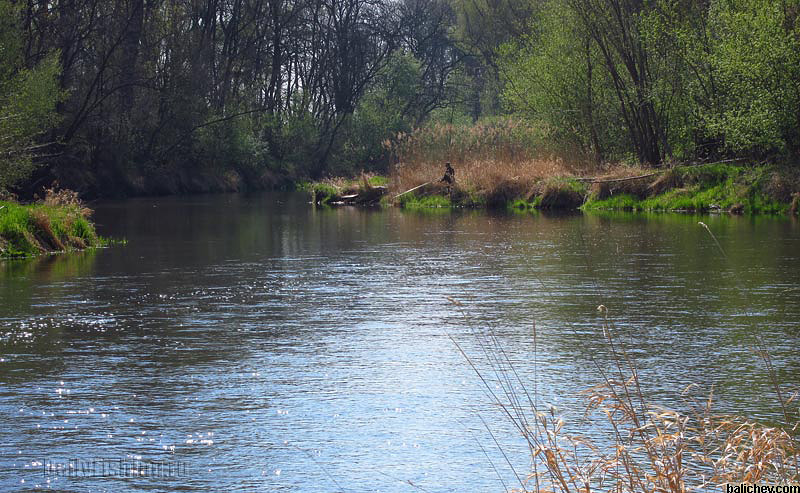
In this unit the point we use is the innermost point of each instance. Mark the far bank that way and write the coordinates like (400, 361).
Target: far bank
(732, 187)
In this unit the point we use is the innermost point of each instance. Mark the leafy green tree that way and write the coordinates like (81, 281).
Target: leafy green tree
(386, 109)
(756, 57)
(28, 98)
(480, 30)
(679, 41)
(553, 77)
(733, 74)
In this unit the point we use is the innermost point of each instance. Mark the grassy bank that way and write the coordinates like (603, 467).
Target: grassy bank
(549, 184)
(59, 222)
(507, 164)
(725, 187)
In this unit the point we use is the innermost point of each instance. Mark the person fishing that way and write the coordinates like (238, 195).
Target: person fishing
(449, 179)
(449, 175)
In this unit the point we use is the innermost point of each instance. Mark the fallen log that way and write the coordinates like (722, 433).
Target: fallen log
(614, 180)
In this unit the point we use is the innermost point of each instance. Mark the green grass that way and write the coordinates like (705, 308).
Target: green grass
(725, 196)
(622, 202)
(328, 190)
(28, 230)
(740, 188)
(521, 205)
(378, 181)
(323, 193)
(411, 201)
(711, 187)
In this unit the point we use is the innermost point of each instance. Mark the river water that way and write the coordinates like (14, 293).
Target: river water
(255, 343)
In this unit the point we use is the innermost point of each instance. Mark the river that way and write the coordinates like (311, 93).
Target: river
(256, 343)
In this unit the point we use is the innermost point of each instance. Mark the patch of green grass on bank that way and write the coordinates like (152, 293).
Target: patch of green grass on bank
(437, 196)
(522, 205)
(704, 188)
(411, 201)
(712, 187)
(622, 202)
(331, 190)
(28, 230)
(378, 181)
(323, 193)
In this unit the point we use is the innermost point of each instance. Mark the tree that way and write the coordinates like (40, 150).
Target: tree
(382, 113)
(554, 77)
(28, 96)
(756, 58)
(482, 27)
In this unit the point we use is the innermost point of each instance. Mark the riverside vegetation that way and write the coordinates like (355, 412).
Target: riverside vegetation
(500, 165)
(58, 222)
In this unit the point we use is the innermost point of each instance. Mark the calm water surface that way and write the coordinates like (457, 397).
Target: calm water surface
(262, 345)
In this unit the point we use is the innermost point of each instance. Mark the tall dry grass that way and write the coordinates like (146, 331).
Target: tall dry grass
(650, 449)
(486, 156)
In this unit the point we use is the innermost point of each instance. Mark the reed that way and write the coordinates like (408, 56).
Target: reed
(495, 162)
(651, 449)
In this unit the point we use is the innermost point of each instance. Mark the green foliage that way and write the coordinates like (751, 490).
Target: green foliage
(28, 230)
(674, 34)
(713, 187)
(378, 181)
(522, 205)
(481, 28)
(554, 79)
(381, 114)
(323, 193)
(14, 225)
(411, 201)
(230, 144)
(159, 102)
(293, 142)
(28, 98)
(756, 58)
(697, 79)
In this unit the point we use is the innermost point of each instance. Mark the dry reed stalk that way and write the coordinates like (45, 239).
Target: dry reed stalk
(483, 156)
(501, 161)
(59, 197)
(651, 449)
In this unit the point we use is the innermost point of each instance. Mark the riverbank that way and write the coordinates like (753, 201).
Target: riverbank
(718, 187)
(57, 223)
(366, 190)
(732, 187)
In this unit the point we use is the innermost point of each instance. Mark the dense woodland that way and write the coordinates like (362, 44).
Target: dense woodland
(117, 97)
